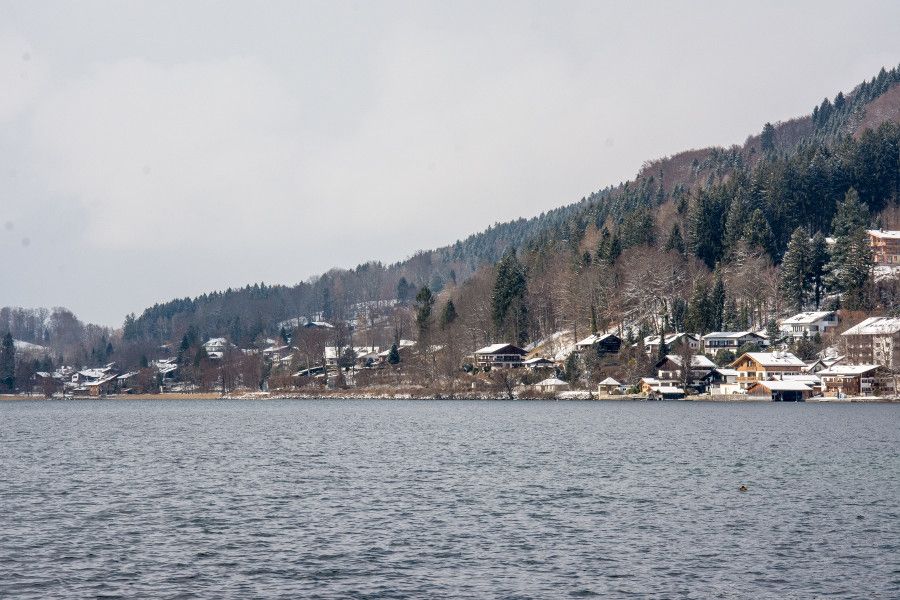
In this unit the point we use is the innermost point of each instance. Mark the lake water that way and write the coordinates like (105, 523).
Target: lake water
(421, 499)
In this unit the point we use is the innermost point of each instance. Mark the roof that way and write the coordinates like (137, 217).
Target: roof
(807, 318)
(537, 360)
(784, 386)
(886, 235)
(552, 381)
(730, 334)
(728, 372)
(697, 361)
(847, 370)
(772, 359)
(669, 389)
(496, 348)
(670, 338)
(876, 326)
(609, 381)
(595, 338)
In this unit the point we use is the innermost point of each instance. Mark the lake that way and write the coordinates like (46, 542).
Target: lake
(476, 499)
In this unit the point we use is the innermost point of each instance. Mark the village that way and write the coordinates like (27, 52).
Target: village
(863, 361)
(810, 355)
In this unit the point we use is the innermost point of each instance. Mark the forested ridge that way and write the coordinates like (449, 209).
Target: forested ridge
(707, 214)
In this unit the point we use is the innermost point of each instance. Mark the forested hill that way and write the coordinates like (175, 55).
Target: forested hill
(702, 202)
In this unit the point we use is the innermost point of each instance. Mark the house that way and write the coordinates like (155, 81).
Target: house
(609, 386)
(820, 364)
(669, 369)
(538, 362)
(551, 385)
(808, 323)
(648, 384)
(674, 342)
(856, 380)
(885, 246)
(875, 341)
(499, 355)
(604, 343)
(403, 349)
(781, 391)
(216, 347)
(722, 381)
(762, 366)
(811, 380)
(730, 340)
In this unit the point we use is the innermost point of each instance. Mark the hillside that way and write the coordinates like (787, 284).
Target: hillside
(792, 173)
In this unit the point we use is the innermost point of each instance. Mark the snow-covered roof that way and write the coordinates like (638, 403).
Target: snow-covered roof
(536, 361)
(594, 338)
(650, 380)
(698, 361)
(728, 372)
(876, 326)
(670, 338)
(669, 389)
(808, 318)
(837, 370)
(609, 381)
(729, 335)
(885, 235)
(807, 378)
(494, 348)
(773, 359)
(784, 386)
(553, 381)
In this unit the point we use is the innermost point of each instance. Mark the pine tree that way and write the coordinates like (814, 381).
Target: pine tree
(424, 304)
(448, 315)
(675, 241)
(717, 304)
(393, 357)
(8, 364)
(758, 232)
(850, 266)
(731, 320)
(593, 319)
(795, 269)
(818, 262)
(508, 300)
(767, 139)
(403, 288)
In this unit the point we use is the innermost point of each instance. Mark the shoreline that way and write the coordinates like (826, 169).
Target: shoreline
(386, 395)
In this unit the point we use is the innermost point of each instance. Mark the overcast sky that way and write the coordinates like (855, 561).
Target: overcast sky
(155, 149)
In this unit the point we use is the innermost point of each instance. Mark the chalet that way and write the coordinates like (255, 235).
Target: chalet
(808, 323)
(216, 347)
(404, 347)
(820, 364)
(538, 362)
(499, 355)
(722, 382)
(875, 341)
(551, 385)
(856, 380)
(762, 366)
(648, 384)
(731, 340)
(609, 386)
(126, 382)
(674, 342)
(669, 369)
(781, 391)
(603, 343)
(885, 247)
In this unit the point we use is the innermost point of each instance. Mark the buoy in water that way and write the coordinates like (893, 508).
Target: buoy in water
(743, 488)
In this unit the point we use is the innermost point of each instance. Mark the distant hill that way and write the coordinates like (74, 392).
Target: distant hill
(791, 173)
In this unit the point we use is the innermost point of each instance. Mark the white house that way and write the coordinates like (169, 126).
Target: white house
(730, 340)
(809, 323)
